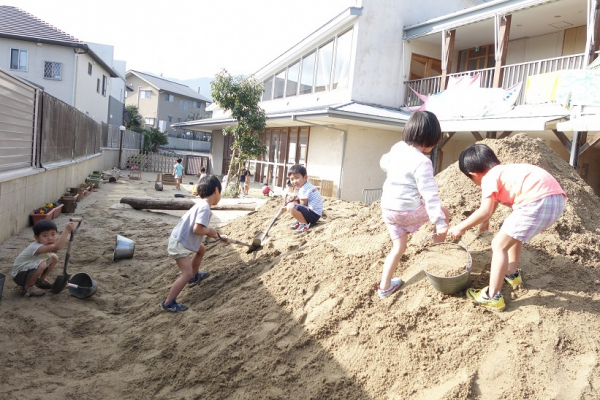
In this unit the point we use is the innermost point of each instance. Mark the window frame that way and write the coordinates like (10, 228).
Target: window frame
(145, 91)
(104, 85)
(90, 69)
(60, 70)
(10, 63)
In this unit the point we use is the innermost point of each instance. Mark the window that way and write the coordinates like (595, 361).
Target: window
(169, 97)
(89, 68)
(291, 88)
(18, 59)
(181, 104)
(343, 51)
(52, 70)
(105, 85)
(98, 85)
(279, 85)
(149, 121)
(145, 94)
(185, 105)
(162, 125)
(424, 67)
(268, 93)
(303, 146)
(306, 76)
(324, 67)
(197, 104)
(170, 119)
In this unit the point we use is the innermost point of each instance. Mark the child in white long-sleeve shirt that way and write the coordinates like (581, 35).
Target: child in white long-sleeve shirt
(410, 194)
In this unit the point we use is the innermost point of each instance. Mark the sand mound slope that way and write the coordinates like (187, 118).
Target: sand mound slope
(302, 318)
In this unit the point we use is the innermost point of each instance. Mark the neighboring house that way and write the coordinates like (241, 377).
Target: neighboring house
(62, 65)
(162, 102)
(339, 99)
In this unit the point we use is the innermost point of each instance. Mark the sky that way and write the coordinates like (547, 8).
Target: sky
(188, 39)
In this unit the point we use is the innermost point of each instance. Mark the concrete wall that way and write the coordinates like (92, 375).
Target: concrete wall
(325, 154)
(23, 191)
(37, 55)
(189, 145)
(364, 148)
(216, 152)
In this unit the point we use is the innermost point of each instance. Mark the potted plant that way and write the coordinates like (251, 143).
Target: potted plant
(75, 191)
(47, 211)
(69, 201)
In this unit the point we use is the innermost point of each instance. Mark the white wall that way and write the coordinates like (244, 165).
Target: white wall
(364, 149)
(38, 55)
(535, 48)
(325, 154)
(87, 99)
(216, 152)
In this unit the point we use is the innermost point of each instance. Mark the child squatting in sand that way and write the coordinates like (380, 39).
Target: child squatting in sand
(187, 237)
(307, 206)
(32, 266)
(537, 201)
(410, 194)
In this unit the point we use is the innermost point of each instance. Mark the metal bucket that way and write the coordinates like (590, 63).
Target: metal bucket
(124, 248)
(158, 186)
(2, 278)
(453, 284)
(84, 281)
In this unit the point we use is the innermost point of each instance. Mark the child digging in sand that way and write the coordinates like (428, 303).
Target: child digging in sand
(32, 266)
(410, 194)
(307, 206)
(537, 201)
(186, 238)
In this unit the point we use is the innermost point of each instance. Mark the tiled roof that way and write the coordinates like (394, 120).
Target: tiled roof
(169, 86)
(18, 23)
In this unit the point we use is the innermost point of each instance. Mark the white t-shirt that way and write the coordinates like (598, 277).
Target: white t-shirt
(183, 232)
(28, 259)
(410, 182)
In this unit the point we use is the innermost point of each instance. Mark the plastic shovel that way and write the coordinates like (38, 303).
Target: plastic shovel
(62, 280)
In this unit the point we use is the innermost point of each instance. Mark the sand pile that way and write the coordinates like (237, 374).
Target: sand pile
(302, 319)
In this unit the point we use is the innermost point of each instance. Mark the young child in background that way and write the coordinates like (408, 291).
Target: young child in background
(187, 237)
(308, 206)
(242, 181)
(32, 266)
(202, 173)
(266, 190)
(178, 173)
(247, 183)
(410, 194)
(537, 201)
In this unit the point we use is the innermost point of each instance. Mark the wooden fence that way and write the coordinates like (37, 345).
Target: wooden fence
(163, 162)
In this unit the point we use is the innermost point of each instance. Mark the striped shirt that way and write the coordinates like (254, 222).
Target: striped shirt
(315, 201)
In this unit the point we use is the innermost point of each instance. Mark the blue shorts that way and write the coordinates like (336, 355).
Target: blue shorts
(309, 215)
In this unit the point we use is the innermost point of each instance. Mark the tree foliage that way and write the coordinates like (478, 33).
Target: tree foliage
(154, 138)
(133, 119)
(240, 96)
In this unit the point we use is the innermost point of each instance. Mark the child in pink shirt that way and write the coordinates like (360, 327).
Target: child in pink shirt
(537, 201)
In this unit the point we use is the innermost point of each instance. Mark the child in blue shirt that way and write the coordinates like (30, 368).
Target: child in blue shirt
(178, 173)
(308, 206)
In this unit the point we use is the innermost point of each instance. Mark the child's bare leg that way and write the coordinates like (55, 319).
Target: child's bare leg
(185, 265)
(392, 260)
(295, 213)
(500, 247)
(53, 261)
(514, 255)
(197, 259)
(442, 238)
(36, 275)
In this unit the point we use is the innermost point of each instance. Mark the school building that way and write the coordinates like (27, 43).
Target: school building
(339, 99)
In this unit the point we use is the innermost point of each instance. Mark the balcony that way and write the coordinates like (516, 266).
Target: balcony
(512, 74)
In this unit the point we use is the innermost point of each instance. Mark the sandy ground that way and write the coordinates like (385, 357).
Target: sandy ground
(301, 318)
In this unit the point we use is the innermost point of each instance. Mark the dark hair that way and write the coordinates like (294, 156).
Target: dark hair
(208, 185)
(202, 169)
(297, 169)
(44, 225)
(477, 158)
(179, 160)
(422, 129)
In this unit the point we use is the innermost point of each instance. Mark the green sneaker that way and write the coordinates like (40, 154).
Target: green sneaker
(495, 303)
(514, 279)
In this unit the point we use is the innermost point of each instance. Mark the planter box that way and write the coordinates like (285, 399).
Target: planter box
(69, 203)
(75, 191)
(55, 212)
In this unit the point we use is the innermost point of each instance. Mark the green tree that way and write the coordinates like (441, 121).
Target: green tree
(154, 138)
(240, 96)
(133, 119)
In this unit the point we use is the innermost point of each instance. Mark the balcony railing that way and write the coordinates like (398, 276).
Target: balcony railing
(513, 74)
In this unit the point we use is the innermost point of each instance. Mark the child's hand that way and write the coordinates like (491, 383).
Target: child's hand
(455, 233)
(442, 231)
(212, 232)
(484, 226)
(70, 227)
(223, 239)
